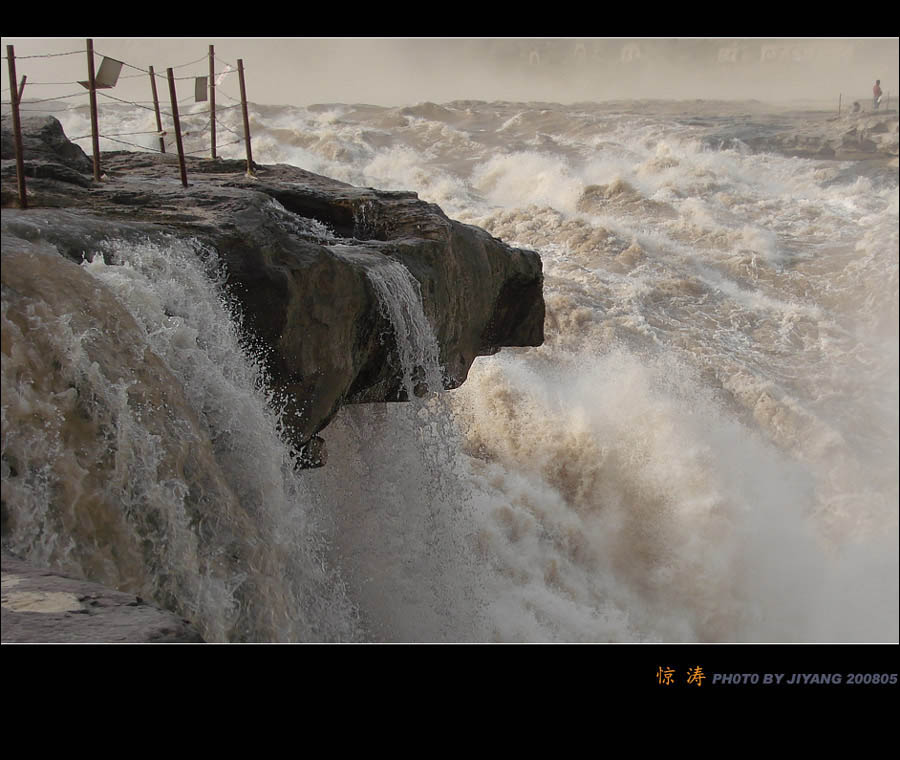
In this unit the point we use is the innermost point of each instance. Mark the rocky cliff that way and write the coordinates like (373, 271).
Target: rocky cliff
(117, 469)
(296, 247)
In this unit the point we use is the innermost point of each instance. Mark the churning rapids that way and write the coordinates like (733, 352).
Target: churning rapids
(704, 449)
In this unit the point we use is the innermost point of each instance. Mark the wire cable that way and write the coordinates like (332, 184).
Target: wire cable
(47, 100)
(134, 145)
(45, 55)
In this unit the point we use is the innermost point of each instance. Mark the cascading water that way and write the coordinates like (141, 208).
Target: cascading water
(159, 468)
(403, 533)
(400, 298)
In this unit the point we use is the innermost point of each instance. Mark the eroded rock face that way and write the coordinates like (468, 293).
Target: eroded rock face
(297, 248)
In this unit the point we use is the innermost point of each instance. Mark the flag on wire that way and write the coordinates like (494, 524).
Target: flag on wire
(200, 89)
(106, 76)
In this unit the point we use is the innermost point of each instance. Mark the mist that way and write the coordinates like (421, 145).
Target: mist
(391, 72)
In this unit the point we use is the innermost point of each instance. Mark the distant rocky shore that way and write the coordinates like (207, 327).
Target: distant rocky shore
(850, 136)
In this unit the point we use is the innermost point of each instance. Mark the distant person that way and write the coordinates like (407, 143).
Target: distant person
(876, 95)
(856, 106)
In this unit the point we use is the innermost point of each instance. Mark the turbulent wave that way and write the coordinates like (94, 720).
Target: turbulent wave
(705, 448)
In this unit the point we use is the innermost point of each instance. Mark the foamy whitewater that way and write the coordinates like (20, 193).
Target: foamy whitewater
(704, 449)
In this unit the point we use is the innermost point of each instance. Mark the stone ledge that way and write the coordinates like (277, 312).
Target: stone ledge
(39, 606)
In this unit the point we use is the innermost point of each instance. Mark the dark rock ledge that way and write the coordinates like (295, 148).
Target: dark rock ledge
(297, 267)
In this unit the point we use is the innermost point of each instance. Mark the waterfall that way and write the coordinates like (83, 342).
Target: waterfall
(400, 298)
(142, 450)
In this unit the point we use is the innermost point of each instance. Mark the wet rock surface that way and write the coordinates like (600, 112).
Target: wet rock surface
(41, 606)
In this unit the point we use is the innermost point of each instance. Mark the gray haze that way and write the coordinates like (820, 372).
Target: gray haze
(399, 71)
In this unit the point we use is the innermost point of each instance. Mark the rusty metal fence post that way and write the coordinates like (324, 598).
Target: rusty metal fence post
(174, 98)
(162, 142)
(14, 97)
(246, 117)
(212, 101)
(95, 127)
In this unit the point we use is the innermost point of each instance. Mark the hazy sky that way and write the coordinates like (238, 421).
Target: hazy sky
(399, 71)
